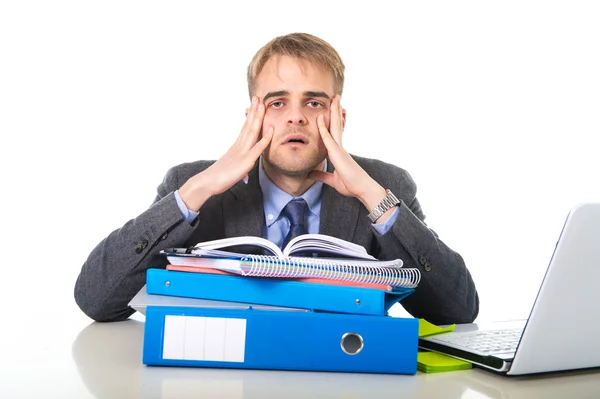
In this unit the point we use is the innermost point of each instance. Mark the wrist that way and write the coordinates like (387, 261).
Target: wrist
(194, 194)
(373, 196)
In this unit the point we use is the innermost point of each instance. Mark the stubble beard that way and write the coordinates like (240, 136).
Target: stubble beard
(294, 165)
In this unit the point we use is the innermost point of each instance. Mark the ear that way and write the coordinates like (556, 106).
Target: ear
(343, 118)
(246, 113)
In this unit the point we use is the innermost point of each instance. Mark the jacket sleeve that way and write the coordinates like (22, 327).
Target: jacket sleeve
(446, 293)
(116, 268)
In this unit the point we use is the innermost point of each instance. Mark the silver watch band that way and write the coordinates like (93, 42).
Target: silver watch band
(387, 203)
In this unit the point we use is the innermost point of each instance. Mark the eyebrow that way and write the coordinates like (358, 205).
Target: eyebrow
(283, 93)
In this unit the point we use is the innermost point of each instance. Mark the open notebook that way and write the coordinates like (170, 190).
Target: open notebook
(333, 259)
(315, 244)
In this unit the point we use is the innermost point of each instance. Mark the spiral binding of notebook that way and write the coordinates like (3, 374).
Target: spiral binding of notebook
(336, 269)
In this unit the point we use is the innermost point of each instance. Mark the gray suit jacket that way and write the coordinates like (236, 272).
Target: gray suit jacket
(116, 269)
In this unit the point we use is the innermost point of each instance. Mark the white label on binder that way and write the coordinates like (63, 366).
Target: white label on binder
(173, 343)
(204, 338)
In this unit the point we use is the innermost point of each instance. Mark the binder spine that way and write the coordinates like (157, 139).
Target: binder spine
(255, 339)
(272, 266)
(264, 291)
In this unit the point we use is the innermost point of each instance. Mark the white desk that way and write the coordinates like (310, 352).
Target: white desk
(69, 359)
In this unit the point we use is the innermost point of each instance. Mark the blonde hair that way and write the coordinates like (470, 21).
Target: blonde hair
(303, 46)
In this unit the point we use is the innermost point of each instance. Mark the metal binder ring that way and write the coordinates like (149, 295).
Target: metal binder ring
(352, 343)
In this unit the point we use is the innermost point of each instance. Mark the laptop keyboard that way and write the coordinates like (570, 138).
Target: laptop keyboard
(485, 343)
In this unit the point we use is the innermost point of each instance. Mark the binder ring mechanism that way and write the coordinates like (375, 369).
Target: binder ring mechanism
(352, 343)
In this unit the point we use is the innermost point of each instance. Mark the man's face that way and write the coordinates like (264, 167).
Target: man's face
(294, 92)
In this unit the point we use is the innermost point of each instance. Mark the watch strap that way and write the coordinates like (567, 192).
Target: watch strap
(388, 202)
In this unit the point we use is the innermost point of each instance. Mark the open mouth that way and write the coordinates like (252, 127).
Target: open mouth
(296, 139)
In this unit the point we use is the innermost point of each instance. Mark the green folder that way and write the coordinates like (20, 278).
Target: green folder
(433, 362)
(426, 328)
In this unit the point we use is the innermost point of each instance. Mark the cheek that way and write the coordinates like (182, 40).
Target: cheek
(314, 113)
(269, 120)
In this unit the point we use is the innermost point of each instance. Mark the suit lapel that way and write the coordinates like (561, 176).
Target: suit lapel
(243, 212)
(339, 214)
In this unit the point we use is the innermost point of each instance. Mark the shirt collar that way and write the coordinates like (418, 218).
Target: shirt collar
(275, 199)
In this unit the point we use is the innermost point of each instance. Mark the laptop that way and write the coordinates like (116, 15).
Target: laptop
(562, 331)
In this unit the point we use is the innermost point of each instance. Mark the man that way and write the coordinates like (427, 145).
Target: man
(289, 151)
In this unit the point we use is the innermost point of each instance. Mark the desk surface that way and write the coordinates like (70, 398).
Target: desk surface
(81, 359)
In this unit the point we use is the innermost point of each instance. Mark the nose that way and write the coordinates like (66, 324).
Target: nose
(296, 115)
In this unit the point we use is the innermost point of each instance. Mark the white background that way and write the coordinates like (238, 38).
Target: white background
(492, 107)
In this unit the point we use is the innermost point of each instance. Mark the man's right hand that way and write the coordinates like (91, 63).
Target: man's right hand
(234, 165)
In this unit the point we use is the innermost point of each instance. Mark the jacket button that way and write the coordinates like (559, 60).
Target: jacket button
(140, 247)
(164, 236)
(425, 262)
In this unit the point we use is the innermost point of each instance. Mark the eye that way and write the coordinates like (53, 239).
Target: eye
(277, 104)
(314, 104)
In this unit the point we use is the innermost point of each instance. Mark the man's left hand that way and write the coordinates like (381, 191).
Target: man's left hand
(348, 178)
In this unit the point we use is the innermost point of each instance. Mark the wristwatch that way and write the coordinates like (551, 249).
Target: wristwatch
(388, 202)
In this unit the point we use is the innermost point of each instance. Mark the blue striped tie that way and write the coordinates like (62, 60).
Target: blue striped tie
(296, 212)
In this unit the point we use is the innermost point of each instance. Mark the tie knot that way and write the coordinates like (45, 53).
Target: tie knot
(295, 211)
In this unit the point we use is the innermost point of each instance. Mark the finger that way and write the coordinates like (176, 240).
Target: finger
(335, 122)
(329, 142)
(341, 111)
(250, 114)
(262, 144)
(248, 159)
(256, 124)
(252, 128)
(319, 175)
